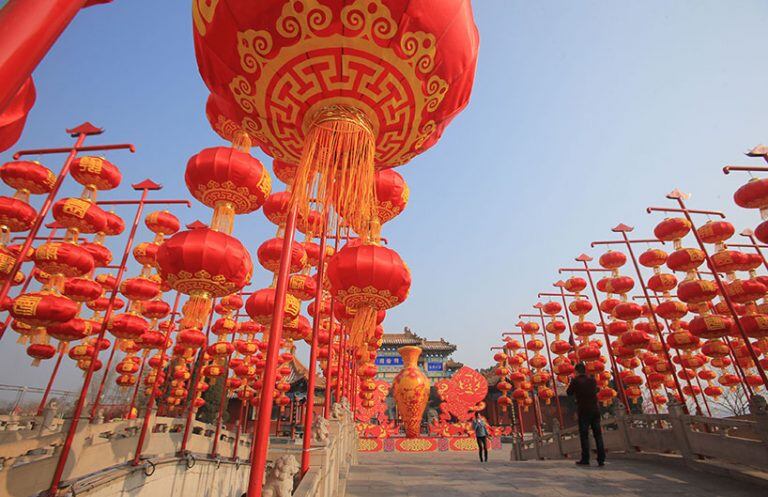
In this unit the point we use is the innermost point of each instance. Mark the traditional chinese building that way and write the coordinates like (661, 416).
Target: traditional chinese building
(434, 359)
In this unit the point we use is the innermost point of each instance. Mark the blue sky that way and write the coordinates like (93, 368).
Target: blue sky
(583, 114)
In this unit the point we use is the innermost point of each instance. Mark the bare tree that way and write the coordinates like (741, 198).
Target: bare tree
(733, 402)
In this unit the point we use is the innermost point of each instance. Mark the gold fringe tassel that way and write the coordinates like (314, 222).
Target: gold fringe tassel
(223, 217)
(196, 310)
(362, 327)
(337, 166)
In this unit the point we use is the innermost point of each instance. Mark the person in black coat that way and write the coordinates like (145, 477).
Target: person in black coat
(584, 389)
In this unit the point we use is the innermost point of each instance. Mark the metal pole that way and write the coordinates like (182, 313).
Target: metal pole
(310, 403)
(136, 389)
(51, 380)
(623, 231)
(551, 366)
(155, 388)
(331, 333)
(194, 381)
(67, 446)
(617, 377)
(222, 400)
(261, 433)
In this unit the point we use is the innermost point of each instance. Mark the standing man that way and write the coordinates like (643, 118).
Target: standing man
(584, 389)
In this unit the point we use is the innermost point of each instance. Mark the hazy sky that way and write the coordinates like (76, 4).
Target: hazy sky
(583, 113)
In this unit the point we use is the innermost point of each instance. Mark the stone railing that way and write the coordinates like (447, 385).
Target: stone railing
(99, 462)
(693, 439)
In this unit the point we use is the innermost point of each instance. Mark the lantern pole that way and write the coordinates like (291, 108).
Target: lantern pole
(536, 413)
(624, 229)
(238, 423)
(341, 378)
(310, 401)
(223, 398)
(584, 259)
(549, 355)
(41, 406)
(331, 333)
(144, 186)
(135, 394)
(81, 133)
(260, 439)
(155, 389)
(194, 381)
(679, 196)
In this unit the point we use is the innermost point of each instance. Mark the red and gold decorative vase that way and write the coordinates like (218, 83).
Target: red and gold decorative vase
(411, 391)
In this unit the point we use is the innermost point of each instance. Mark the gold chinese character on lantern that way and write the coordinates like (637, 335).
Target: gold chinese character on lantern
(91, 164)
(26, 305)
(76, 207)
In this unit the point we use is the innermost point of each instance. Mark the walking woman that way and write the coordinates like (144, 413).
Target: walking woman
(481, 432)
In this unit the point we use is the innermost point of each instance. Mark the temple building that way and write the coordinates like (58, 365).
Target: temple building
(434, 359)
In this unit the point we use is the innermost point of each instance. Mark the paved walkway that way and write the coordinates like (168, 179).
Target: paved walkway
(449, 474)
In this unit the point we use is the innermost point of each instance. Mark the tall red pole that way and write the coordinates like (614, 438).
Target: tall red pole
(67, 446)
(261, 433)
(82, 131)
(222, 400)
(329, 377)
(617, 378)
(342, 360)
(155, 388)
(135, 394)
(623, 229)
(238, 425)
(48, 387)
(194, 382)
(551, 364)
(316, 318)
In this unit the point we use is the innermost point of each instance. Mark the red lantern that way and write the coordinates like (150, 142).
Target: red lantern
(128, 326)
(260, 306)
(40, 352)
(753, 195)
(391, 194)
(336, 125)
(696, 291)
(228, 181)
(80, 215)
(63, 258)
(662, 282)
(687, 259)
(42, 309)
(162, 223)
(95, 173)
(81, 289)
(612, 259)
(368, 278)
(269, 255)
(672, 229)
(575, 284)
(139, 288)
(653, 258)
(27, 177)
(203, 264)
(72, 330)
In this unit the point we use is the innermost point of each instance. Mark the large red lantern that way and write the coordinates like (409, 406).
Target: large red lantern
(228, 181)
(203, 264)
(43, 309)
(95, 173)
(368, 278)
(260, 306)
(269, 252)
(27, 177)
(261, 64)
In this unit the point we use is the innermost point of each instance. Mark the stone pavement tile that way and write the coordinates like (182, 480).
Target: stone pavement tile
(460, 474)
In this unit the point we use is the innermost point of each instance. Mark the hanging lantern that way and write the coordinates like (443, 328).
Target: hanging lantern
(203, 264)
(368, 279)
(42, 309)
(229, 181)
(260, 306)
(269, 255)
(336, 128)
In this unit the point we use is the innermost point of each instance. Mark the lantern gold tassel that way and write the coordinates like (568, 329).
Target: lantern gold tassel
(196, 310)
(363, 326)
(223, 217)
(337, 165)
